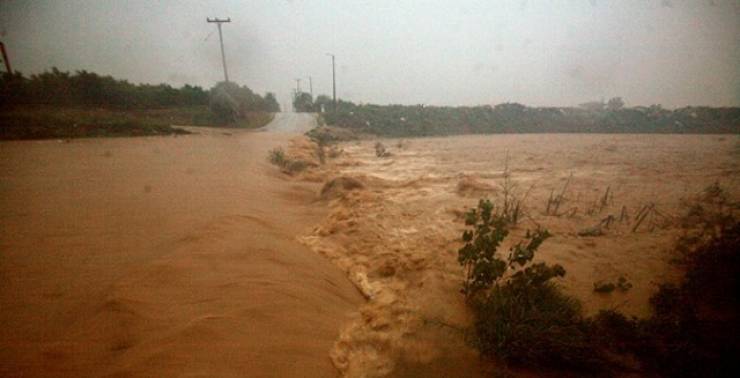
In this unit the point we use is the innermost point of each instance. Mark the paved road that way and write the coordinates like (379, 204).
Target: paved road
(291, 123)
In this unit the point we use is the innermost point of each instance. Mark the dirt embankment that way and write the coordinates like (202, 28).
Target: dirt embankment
(162, 257)
(395, 222)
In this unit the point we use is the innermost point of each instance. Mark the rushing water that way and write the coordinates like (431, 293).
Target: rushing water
(397, 239)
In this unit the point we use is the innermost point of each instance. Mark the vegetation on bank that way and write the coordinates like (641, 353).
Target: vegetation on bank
(610, 117)
(287, 164)
(58, 104)
(51, 122)
(521, 316)
(63, 123)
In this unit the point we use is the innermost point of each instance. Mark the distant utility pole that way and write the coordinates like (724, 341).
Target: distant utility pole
(297, 86)
(218, 23)
(310, 86)
(333, 81)
(5, 58)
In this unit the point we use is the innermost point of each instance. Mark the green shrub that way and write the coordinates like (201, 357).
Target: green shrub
(612, 330)
(277, 156)
(531, 322)
(324, 135)
(693, 331)
(288, 165)
(303, 102)
(488, 228)
(482, 267)
(295, 166)
(520, 315)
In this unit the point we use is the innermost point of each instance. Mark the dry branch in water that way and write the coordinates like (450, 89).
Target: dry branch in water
(554, 203)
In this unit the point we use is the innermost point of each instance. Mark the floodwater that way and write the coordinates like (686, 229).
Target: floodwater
(193, 256)
(397, 238)
(163, 256)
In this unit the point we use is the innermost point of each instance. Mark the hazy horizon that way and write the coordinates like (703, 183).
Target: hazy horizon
(540, 53)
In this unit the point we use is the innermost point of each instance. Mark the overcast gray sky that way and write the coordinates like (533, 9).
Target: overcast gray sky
(537, 52)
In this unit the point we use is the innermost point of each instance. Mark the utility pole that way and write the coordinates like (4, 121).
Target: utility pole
(310, 86)
(333, 81)
(218, 23)
(5, 58)
(297, 86)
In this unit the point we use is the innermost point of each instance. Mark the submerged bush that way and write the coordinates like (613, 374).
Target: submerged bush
(521, 316)
(288, 165)
(277, 157)
(694, 330)
(489, 226)
(532, 322)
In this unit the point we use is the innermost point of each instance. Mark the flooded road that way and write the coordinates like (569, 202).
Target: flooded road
(163, 256)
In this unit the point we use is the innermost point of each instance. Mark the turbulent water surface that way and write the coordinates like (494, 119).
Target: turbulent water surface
(398, 236)
(193, 256)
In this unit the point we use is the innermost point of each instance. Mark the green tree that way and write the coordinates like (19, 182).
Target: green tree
(615, 103)
(303, 102)
(323, 102)
(271, 104)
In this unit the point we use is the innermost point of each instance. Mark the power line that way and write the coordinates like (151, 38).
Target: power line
(209, 35)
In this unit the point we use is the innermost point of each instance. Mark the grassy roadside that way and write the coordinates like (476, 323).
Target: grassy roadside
(48, 122)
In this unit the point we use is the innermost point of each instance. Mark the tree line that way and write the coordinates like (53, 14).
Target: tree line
(594, 117)
(88, 89)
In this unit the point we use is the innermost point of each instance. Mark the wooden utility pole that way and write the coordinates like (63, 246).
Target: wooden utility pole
(298, 86)
(310, 86)
(218, 23)
(333, 81)
(5, 58)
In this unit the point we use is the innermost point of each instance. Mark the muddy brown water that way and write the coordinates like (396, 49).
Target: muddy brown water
(398, 237)
(193, 256)
(163, 256)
